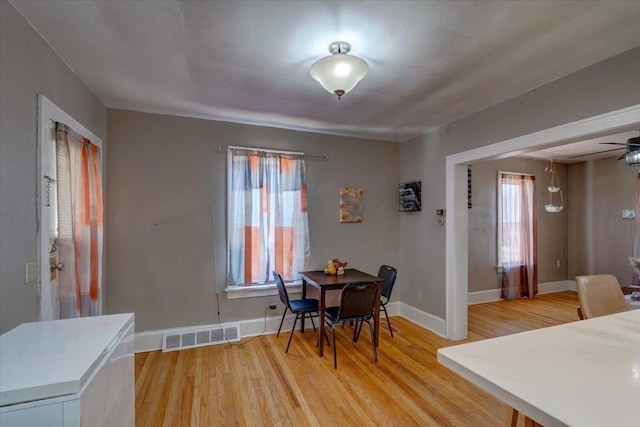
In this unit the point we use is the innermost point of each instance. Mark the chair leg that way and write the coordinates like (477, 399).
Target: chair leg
(373, 342)
(326, 338)
(283, 314)
(335, 353)
(291, 335)
(350, 323)
(356, 334)
(388, 321)
(356, 330)
(312, 324)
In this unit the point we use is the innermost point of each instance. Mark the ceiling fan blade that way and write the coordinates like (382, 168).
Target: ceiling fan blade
(597, 152)
(628, 144)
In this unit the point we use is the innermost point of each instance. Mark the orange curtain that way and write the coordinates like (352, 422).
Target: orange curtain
(80, 223)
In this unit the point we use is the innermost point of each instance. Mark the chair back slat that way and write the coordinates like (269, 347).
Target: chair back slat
(282, 290)
(389, 275)
(357, 301)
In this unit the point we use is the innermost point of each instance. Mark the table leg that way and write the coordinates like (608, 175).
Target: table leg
(376, 317)
(304, 295)
(321, 323)
(510, 417)
(528, 422)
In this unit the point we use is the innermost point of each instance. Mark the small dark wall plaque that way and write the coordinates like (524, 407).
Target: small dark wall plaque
(469, 203)
(410, 196)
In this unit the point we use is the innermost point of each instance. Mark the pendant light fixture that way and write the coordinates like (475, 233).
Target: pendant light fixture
(339, 73)
(553, 188)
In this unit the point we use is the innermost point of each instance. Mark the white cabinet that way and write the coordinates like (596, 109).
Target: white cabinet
(72, 372)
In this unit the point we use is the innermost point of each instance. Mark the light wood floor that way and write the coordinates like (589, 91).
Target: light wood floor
(260, 385)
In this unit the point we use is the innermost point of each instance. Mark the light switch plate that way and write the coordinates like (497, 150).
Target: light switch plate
(628, 214)
(31, 272)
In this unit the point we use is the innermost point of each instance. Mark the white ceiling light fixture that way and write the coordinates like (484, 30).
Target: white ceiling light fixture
(339, 73)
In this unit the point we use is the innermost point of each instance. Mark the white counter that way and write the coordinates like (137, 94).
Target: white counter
(83, 360)
(585, 373)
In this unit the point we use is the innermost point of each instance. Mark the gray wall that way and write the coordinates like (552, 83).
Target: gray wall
(28, 67)
(606, 86)
(600, 240)
(552, 227)
(165, 173)
(421, 251)
(161, 272)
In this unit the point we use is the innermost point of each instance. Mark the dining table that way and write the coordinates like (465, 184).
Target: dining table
(327, 282)
(585, 373)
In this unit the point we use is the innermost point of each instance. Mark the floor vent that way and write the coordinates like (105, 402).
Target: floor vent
(199, 337)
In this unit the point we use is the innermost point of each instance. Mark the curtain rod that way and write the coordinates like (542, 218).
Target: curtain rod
(308, 156)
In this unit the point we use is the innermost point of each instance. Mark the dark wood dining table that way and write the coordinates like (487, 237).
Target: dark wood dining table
(326, 282)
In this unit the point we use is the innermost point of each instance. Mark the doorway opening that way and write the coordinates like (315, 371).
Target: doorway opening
(50, 265)
(456, 197)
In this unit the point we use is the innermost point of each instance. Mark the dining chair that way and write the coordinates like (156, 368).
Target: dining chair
(299, 307)
(599, 295)
(356, 305)
(389, 275)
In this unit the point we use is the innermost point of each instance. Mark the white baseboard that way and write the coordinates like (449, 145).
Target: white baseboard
(148, 341)
(480, 297)
(490, 295)
(433, 323)
(152, 340)
(559, 286)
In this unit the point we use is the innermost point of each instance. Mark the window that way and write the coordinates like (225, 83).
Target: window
(267, 216)
(517, 235)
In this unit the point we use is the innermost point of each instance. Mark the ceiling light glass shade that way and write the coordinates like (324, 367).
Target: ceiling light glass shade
(339, 73)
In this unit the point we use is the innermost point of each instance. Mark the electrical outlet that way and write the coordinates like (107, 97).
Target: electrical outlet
(557, 263)
(419, 295)
(31, 272)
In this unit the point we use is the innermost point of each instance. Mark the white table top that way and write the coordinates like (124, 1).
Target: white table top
(585, 373)
(48, 359)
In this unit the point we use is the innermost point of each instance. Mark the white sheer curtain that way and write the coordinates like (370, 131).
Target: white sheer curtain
(80, 223)
(267, 216)
(519, 238)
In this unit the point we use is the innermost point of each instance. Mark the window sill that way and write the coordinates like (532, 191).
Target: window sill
(238, 292)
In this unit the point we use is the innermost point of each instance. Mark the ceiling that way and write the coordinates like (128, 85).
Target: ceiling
(431, 62)
(593, 149)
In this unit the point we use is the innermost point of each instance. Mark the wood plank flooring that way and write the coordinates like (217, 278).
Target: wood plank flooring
(257, 384)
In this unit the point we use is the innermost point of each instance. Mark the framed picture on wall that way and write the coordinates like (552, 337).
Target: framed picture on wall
(351, 204)
(410, 196)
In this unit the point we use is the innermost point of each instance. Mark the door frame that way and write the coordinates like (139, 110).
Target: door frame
(457, 228)
(49, 113)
